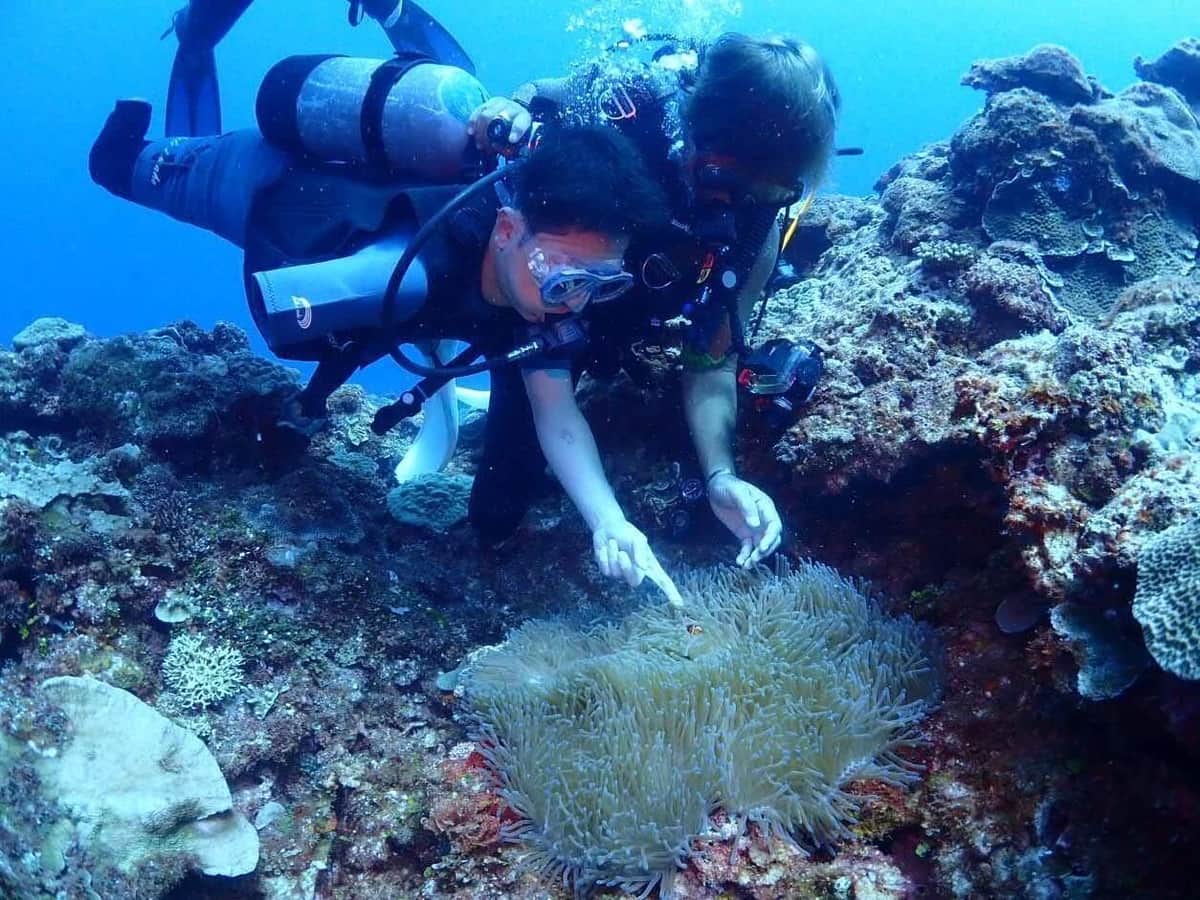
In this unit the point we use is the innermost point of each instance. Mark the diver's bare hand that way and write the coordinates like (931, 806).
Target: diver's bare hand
(749, 513)
(499, 108)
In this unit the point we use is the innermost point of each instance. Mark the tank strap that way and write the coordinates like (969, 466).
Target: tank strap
(275, 106)
(383, 80)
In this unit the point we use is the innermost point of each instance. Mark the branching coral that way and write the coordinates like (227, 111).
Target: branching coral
(764, 698)
(202, 674)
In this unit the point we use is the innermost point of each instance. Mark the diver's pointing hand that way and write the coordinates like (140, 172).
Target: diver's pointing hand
(622, 552)
(498, 108)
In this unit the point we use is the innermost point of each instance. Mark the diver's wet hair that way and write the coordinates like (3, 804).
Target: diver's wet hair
(770, 103)
(588, 178)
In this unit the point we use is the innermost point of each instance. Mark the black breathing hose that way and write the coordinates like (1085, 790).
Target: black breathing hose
(497, 132)
(453, 371)
(425, 232)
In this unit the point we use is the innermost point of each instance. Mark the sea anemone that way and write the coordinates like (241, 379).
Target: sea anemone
(763, 697)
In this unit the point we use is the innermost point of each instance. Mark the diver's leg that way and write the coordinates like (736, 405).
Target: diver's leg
(512, 465)
(207, 181)
(118, 146)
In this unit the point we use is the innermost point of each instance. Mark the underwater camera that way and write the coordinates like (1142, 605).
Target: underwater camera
(779, 376)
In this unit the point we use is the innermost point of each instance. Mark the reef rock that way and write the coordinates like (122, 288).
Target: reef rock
(49, 330)
(1048, 69)
(1023, 300)
(1178, 68)
(173, 388)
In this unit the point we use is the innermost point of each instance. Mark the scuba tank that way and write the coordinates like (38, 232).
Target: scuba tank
(347, 109)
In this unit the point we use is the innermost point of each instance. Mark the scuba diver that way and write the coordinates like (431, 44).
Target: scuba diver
(359, 237)
(735, 132)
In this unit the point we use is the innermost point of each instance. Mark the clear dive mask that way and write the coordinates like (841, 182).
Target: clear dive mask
(567, 282)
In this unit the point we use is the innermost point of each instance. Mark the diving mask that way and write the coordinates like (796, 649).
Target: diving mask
(724, 176)
(567, 282)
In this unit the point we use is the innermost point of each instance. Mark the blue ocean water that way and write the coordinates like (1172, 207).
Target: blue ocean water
(69, 249)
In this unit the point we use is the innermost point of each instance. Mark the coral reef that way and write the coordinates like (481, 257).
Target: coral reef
(1006, 445)
(1178, 68)
(1047, 69)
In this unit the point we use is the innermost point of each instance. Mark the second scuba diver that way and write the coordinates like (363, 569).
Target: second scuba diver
(734, 131)
(349, 167)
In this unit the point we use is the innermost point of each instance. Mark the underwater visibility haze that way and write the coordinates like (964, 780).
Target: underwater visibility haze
(605, 450)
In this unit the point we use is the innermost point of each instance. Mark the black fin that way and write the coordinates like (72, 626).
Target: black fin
(417, 33)
(193, 99)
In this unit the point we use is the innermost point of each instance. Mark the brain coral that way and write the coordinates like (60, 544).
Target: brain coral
(765, 696)
(1167, 602)
(1027, 210)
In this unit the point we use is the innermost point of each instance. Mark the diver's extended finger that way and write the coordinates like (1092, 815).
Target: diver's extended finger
(643, 557)
(743, 557)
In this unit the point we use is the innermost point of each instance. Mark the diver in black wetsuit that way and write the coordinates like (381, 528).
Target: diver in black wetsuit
(735, 132)
(324, 206)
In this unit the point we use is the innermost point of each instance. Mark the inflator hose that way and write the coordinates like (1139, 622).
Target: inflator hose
(742, 263)
(420, 239)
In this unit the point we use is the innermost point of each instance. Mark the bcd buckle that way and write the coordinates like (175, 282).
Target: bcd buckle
(617, 105)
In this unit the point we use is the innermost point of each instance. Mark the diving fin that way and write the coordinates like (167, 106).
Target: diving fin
(414, 32)
(435, 443)
(193, 99)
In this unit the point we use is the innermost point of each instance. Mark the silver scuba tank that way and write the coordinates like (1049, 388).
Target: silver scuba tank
(400, 115)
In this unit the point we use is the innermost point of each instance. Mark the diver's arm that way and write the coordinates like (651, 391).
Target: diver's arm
(551, 91)
(570, 449)
(710, 405)
(710, 394)
(621, 550)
